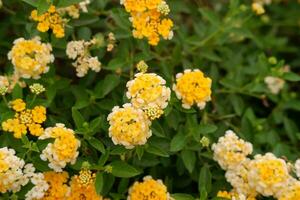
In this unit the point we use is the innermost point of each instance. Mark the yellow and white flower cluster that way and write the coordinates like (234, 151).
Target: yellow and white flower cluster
(9, 82)
(130, 125)
(264, 175)
(192, 87)
(74, 10)
(39, 189)
(274, 84)
(230, 151)
(13, 172)
(147, 91)
(50, 20)
(149, 19)
(149, 189)
(60, 188)
(79, 51)
(258, 6)
(31, 57)
(25, 120)
(63, 150)
(297, 168)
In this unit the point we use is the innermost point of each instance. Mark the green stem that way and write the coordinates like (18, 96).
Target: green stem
(33, 100)
(5, 100)
(8, 10)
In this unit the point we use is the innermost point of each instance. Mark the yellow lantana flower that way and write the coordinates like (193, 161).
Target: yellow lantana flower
(25, 119)
(192, 87)
(129, 126)
(149, 189)
(149, 19)
(30, 57)
(50, 20)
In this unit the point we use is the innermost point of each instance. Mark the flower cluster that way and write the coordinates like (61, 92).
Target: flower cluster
(266, 174)
(230, 150)
(79, 51)
(64, 148)
(13, 172)
(111, 42)
(258, 6)
(25, 119)
(297, 168)
(39, 189)
(129, 126)
(192, 87)
(291, 191)
(50, 20)
(30, 57)
(9, 82)
(74, 10)
(274, 84)
(82, 186)
(148, 92)
(149, 19)
(149, 189)
(58, 188)
(37, 88)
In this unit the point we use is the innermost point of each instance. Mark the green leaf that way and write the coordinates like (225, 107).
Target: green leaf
(207, 128)
(158, 130)
(42, 6)
(189, 159)
(97, 144)
(204, 181)
(157, 151)
(179, 196)
(290, 76)
(105, 86)
(117, 63)
(124, 170)
(139, 151)
(65, 3)
(33, 3)
(99, 182)
(238, 104)
(17, 92)
(210, 16)
(77, 118)
(95, 124)
(178, 142)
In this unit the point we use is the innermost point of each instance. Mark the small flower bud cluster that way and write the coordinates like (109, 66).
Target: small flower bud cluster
(111, 42)
(37, 88)
(74, 10)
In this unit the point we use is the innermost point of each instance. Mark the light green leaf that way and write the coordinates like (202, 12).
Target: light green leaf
(99, 182)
